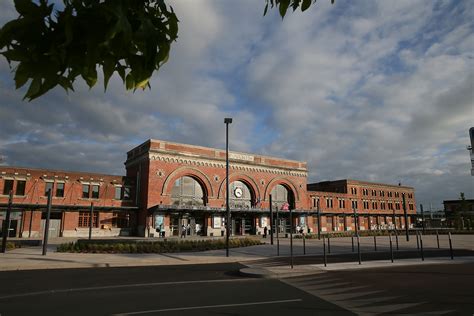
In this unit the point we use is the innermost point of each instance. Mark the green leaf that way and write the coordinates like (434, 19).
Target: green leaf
(129, 82)
(284, 7)
(25, 7)
(265, 10)
(108, 68)
(21, 75)
(33, 89)
(305, 5)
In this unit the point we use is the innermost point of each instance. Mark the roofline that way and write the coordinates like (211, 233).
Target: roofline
(59, 170)
(213, 148)
(353, 181)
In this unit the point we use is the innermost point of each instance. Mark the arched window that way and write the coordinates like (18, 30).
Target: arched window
(240, 195)
(280, 195)
(187, 191)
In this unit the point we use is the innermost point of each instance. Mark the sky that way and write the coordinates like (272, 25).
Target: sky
(370, 90)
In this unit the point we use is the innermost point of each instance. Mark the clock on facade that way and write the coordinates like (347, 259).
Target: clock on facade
(238, 192)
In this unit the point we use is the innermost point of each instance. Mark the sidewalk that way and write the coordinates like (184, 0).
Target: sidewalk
(31, 258)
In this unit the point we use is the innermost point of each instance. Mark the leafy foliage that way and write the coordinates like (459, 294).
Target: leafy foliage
(283, 5)
(52, 47)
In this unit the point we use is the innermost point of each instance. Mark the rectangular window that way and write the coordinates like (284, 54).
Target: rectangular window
(85, 219)
(85, 191)
(20, 187)
(127, 193)
(118, 193)
(48, 186)
(7, 187)
(95, 191)
(59, 189)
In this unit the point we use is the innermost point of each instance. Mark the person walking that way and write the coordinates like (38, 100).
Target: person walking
(183, 231)
(265, 231)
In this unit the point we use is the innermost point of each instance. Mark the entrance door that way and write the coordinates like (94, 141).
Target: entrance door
(54, 227)
(175, 227)
(237, 224)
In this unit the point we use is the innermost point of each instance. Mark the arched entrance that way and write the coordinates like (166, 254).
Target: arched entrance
(281, 194)
(242, 197)
(188, 193)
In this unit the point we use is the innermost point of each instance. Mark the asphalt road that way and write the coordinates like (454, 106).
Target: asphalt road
(213, 289)
(438, 289)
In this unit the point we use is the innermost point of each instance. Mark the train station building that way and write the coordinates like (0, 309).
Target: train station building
(170, 185)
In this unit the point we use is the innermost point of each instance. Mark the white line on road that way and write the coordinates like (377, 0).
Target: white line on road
(207, 306)
(107, 287)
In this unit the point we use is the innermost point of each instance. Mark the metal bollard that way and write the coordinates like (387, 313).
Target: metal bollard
(352, 239)
(329, 244)
(421, 248)
(375, 243)
(437, 238)
(391, 248)
(324, 251)
(358, 249)
(304, 245)
(278, 247)
(396, 238)
(451, 246)
(417, 241)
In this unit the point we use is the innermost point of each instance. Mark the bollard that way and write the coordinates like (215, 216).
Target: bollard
(396, 238)
(375, 243)
(352, 239)
(437, 238)
(358, 249)
(324, 251)
(329, 244)
(450, 246)
(391, 248)
(278, 247)
(421, 248)
(417, 241)
(304, 245)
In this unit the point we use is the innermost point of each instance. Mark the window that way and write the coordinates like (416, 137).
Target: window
(374, 192)
(48, 186)
(120, 220)
(366, 205)
(85, 219)
(328, 203)
(390, 206)
(342, 204)
(118, 193)
(353, 190)
(85, 191)
(382, 193)
(7, 187)
(187, 191)
(59, 189)
(354, 204)
(20, 187)
(95, 191)
(411, 207)
(127, 193)
(382, 205)
(374, 205)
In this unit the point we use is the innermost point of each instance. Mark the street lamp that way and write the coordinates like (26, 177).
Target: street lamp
(227, 121)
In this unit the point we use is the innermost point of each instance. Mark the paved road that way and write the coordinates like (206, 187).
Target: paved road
(424, 289)
(172, 290)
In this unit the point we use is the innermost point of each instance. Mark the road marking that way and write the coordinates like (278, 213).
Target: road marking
(106, 287)
(207, 307)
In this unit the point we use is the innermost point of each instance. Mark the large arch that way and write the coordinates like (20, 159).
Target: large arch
(283, 181)
(194, 173)
(240, 176)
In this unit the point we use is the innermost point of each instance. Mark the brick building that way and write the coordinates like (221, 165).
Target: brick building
(168, 185)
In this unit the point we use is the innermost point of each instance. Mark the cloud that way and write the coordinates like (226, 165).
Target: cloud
(372, 90)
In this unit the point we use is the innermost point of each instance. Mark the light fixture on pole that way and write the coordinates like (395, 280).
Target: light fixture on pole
(227, 121)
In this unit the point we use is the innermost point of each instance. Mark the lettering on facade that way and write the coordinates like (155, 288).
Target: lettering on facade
(241, 157)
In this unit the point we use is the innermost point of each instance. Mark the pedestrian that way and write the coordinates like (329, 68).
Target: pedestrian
(188, 229)
(183, 231)
(265, 230)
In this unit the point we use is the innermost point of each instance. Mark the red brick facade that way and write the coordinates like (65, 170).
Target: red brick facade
(150, 208)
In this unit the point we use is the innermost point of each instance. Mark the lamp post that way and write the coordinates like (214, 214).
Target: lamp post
(227, 121)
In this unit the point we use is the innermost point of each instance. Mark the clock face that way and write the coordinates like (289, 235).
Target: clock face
(238, 192)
